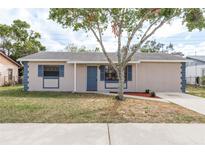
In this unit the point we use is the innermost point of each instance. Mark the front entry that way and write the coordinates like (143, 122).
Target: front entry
(92, 78)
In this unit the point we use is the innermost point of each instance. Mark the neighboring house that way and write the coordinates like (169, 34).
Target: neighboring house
(8, 70)
(195, 67)
(81, 72)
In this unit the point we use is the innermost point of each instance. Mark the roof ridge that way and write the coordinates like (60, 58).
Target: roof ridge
(101, 52)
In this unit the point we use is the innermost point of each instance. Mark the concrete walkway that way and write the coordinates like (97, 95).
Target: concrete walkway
(127, 133)
(188, 101)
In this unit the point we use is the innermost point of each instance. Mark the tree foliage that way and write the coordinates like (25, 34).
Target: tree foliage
(19, 40)
(74, 48)
(154, 46)
(135, 26)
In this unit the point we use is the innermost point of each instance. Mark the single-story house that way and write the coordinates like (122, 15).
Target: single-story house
(8, 70)
(82, 72)
(195, 67)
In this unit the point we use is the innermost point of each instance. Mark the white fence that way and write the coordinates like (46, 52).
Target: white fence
(192, 81)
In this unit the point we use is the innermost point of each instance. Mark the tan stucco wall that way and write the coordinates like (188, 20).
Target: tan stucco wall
(36, 83)
(66, 83)
(154, 76)
(160, 77)
(5, 64)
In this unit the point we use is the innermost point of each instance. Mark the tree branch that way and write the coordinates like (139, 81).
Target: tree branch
(161, 23)
(99, 39)
(119, 45)
(151, 25)
(137, 27)
(119, 54)
(143, 39)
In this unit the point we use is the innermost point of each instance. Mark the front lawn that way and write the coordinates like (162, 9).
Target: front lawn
(197, 91)
(59, 107)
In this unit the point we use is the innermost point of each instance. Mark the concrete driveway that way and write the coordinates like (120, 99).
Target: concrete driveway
(188, 101)
(127, 133)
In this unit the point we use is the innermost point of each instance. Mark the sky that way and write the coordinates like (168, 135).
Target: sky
(56, 38)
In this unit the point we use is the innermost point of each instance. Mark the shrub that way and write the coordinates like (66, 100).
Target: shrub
(9, 83)
(147, 91)
(6, 83)
(152, 94)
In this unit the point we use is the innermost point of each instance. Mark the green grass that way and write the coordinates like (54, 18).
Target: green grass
(61, 107)
(197, 91)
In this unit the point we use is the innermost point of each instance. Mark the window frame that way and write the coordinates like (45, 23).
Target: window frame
(50, 76)
(109, 68)
(10, 70)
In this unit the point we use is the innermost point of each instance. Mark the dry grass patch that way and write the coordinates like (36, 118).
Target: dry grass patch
(59, 107)
(197, 91)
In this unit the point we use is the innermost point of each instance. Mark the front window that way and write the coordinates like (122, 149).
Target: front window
(51, 70)
(111, 74)
(10, 74)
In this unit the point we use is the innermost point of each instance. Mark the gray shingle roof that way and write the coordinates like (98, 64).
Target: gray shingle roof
(199, 58)
(95, 56)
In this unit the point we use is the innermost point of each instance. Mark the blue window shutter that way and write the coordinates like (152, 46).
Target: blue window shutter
(102, 73)
(129, 72)
(61, 70)
(40, 70)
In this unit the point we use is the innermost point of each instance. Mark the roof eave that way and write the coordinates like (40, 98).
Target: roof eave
(192, 58)
(95, 62)
(11, 60)
(100, 62)
(165, 61)
(41, 60)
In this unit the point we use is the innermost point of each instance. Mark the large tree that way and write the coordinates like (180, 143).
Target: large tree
(19, 40)
(135, 26)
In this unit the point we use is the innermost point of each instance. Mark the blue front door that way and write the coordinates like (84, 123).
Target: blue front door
(92, 78)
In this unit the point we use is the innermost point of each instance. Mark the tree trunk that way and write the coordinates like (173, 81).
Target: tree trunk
(121, 78)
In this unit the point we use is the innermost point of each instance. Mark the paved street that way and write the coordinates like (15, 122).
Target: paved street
(127, 133)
